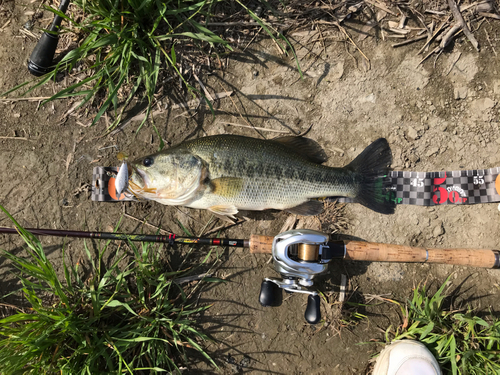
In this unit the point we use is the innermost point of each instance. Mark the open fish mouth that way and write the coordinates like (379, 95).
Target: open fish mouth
(143, 178)
(139, 183)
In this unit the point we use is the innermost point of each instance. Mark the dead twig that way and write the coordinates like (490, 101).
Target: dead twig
(144, 222)
(251, 40)
(207, 94)
(438, 30)
(20, 138)
(453, 63)
(237, 109)
(289, 224)
(254, 127)
(380, 6)
(5, 24)
(460, 20)
(337, 23)
(489, 41)
(489, 15)
(352, 41)
(409, 41)
(437, 49)
(31, 99)
(321, 38)
(224, 227)
(448, 37)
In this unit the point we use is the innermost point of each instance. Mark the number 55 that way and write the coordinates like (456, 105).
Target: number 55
(478, 180)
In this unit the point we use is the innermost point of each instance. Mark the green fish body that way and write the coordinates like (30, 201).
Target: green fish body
(227, 173)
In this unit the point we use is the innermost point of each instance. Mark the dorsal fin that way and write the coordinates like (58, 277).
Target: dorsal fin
(305, 147)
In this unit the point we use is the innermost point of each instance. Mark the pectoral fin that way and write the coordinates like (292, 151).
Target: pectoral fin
(228, 187)
(309, 208)
(224, 211)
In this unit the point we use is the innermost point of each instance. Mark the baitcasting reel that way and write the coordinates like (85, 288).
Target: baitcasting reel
(299, 256)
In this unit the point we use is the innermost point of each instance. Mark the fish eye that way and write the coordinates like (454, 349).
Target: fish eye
(148, 162)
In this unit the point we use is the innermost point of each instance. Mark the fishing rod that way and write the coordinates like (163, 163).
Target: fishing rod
(41, 59)
(341, 249)
(301, 255)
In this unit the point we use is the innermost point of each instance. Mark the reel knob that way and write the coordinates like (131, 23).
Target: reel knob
(313, 314)
(270, 294)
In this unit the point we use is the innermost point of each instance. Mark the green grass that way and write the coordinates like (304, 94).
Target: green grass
(463, 342)
(128, 47)
(127, 317)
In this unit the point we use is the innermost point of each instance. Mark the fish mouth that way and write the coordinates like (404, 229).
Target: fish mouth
(139, 181)
(144, 178)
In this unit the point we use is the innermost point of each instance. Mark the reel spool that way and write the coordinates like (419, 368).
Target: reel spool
(299, 256)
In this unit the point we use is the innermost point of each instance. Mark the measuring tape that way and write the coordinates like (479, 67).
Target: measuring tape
(441, 188)
(404, 187)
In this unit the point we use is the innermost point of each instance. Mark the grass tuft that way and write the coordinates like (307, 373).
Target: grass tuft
(464, 343)
(127, 317)
(127, 49)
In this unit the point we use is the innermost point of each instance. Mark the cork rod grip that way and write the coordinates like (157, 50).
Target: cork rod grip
(261, 244)
(379, 252)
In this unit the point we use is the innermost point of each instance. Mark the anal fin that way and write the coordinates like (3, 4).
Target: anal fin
(309, 208)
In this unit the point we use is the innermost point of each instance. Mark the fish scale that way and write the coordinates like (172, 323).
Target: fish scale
(265, 186)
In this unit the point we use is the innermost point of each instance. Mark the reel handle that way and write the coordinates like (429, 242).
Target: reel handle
(380, 252)
(270, 294)
(313, 313)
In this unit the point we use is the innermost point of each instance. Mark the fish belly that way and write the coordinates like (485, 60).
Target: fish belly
(265, 193)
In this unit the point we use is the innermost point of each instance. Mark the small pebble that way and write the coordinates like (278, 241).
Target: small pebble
(438, 230)
(29, 25)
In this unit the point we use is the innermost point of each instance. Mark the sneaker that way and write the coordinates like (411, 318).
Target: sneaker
(406, 357)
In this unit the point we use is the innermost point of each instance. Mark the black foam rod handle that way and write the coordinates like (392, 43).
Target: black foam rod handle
(40, 61)
(313, 314)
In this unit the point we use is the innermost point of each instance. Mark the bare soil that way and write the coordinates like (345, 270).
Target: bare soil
(442, 117)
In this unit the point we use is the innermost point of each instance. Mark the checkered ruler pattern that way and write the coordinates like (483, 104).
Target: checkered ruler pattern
(103, 185)
(439, 188)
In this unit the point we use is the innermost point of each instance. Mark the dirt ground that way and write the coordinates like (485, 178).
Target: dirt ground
(442, 117)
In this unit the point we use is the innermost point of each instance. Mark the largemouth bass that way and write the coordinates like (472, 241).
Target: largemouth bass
(228, 173)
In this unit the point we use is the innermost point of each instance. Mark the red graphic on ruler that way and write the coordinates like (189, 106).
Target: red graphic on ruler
(441, 194)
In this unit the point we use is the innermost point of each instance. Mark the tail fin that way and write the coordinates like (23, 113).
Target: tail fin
(372, 165)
